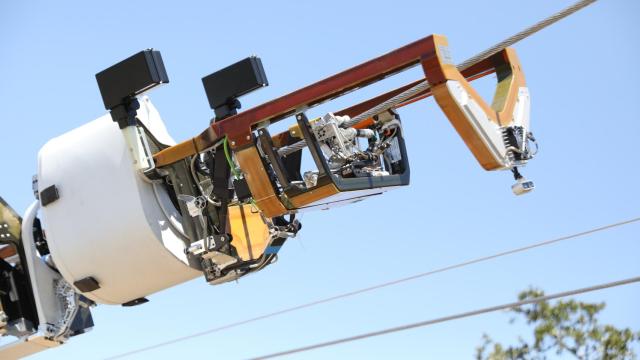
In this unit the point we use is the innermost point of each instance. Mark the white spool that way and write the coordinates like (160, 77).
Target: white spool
(107, 223)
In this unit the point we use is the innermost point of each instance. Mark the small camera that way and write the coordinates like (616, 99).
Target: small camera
(522, 186)
(225, 86)
(131, 77)
(121, 83)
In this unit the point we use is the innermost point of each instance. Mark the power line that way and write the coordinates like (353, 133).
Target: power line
(380, 286)
(424, 85)
(450, 318)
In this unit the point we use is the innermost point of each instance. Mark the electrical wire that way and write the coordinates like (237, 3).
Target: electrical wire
(227, 155)
(192, 168)
(451, 317)
(234, 170)
(383, 285)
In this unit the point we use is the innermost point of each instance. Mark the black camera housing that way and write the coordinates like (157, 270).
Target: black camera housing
(131, 77)
(225, 86)
(121, 83)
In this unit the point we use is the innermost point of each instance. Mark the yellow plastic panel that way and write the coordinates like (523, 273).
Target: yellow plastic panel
(250, 232)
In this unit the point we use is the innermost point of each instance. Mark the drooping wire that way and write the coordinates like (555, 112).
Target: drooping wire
(236, 174)
(383, 285)
(450, 318)
(227, 154)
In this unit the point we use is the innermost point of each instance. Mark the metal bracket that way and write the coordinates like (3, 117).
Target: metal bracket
(481, 126)
(49, 195)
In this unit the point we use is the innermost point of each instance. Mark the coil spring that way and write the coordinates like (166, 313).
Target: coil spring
(508, 143)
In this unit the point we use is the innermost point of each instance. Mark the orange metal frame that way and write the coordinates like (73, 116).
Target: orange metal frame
(440, 70)
(238, 128)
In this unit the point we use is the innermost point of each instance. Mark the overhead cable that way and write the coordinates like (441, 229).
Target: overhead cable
(381, 285)
(450, 318)
(423, 86)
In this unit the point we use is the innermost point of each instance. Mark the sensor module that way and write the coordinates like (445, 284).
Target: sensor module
(225, 86)
(131, 77)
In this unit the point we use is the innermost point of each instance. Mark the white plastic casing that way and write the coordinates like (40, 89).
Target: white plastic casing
(107, 223)
(489, 132)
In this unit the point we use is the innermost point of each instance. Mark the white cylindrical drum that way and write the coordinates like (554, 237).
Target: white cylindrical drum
(108, 223)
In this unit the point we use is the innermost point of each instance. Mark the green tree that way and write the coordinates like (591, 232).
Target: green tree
(564, 328)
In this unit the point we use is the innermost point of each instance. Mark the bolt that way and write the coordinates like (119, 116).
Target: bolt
(233, 143)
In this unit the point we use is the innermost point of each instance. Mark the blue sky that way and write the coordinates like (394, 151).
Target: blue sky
(583, 83)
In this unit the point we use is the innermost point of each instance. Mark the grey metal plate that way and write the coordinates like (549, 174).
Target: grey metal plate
(10, 223)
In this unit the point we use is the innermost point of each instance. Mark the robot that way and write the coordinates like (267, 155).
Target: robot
(122, 211)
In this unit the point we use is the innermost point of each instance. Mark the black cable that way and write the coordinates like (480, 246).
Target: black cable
(379, 286)
(450, 318)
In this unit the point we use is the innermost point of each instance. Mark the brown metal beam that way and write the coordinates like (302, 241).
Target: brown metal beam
(239, 127)
(7, 251)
